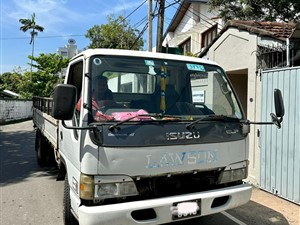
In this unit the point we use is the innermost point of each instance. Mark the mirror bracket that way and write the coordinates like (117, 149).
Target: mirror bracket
(276, 117)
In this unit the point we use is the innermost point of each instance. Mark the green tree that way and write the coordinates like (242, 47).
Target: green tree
(42, 81)
(259, 10)
(30, 24)
(10, 81)
(51, 63)
(116, 34)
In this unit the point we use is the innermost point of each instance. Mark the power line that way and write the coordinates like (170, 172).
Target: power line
(188, 34)
(146, 25)
(140, 35)
(39, 37)
(133, 11)
(139, 23)
(170, 4)
(72, 35)
(181, 5)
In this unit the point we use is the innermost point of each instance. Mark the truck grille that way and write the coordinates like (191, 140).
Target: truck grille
(177, 184)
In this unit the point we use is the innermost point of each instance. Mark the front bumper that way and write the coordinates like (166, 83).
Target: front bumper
(122, 213)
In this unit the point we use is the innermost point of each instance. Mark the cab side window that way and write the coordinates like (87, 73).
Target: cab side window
(75, 78)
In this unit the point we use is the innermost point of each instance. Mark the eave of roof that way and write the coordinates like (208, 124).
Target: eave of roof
(184, 6)
(276, 30)
(179, 14)
(296, 32)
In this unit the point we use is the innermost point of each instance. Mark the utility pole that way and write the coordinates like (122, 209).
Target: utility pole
(160, 25)
(150, 17)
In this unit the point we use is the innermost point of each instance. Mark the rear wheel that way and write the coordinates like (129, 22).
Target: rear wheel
(44, 152)
(69, 218)
(41, 154)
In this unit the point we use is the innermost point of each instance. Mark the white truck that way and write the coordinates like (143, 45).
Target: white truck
(171, 145)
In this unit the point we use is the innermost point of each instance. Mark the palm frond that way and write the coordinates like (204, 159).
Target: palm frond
(39, 28)
(30, 24)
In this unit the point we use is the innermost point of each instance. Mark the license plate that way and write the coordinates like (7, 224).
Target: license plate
(187, 209)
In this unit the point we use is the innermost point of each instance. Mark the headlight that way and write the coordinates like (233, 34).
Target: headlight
(234, 172)
(101, 187)
(114, 187)
(113, 190)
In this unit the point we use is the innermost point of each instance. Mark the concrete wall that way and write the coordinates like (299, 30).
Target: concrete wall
(196, 20)
(12, 109)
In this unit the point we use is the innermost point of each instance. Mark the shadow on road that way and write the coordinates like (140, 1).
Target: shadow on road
(255, 213)
(251, 213)
(18, 156)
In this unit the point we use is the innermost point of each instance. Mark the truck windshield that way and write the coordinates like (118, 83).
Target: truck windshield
(122, 87)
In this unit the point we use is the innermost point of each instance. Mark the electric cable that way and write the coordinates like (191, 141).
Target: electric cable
(132, 12)
(181, 5)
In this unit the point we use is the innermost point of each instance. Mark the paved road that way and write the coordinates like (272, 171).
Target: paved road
(30, 195)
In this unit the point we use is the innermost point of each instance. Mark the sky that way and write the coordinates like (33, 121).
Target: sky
(62, 20)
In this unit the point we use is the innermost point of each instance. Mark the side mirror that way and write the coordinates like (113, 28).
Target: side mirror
(64, 101)
(277, 117)
(279, 108)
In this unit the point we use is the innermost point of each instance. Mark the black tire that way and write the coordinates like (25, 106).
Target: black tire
(68, 217)
(44, 151)
(41, 153)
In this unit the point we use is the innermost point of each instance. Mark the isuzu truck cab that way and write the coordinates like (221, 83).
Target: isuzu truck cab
(170, 143)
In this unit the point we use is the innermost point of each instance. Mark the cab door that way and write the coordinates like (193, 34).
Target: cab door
(70, 140)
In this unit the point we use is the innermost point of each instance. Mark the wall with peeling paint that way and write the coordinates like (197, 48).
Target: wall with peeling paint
(12, 109)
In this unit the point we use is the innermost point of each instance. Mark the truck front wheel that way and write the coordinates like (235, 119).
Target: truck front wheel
(69, 218)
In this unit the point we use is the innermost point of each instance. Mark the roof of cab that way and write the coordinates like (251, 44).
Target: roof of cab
(133, 53)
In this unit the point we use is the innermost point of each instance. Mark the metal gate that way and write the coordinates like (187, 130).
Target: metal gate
(280, 148)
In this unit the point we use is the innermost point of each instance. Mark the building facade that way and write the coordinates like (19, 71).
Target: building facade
(192, 28)
(70, 50)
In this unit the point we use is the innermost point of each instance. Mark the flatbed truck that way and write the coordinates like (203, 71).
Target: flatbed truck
(171, 145)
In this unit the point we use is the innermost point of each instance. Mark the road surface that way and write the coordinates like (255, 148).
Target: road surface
(30, 195)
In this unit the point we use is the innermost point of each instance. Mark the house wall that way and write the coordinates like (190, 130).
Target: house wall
(235, 51)
(182, 32)
(195, 21)
(11, 110)
(186, 23)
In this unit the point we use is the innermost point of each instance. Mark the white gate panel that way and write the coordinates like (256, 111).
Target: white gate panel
(280, 148)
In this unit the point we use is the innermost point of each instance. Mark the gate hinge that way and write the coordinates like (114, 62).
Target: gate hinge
(258, 73)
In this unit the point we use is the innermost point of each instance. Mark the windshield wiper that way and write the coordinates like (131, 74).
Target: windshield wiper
(163, 117)
(220, 118)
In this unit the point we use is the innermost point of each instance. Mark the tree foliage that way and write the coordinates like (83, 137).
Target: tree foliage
(39, 82)
(10, 81)
(30, 24)
(42, 81)
(116, 34)
(259, 10)
(49, 64)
